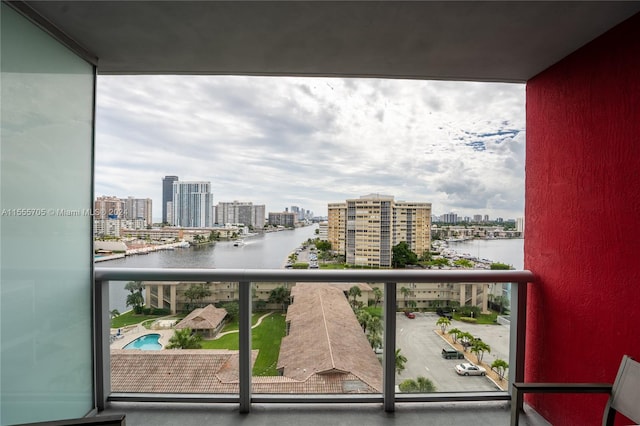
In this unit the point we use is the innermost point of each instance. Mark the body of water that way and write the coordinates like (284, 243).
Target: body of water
(509, 251)
(270, 251)
(264, 251)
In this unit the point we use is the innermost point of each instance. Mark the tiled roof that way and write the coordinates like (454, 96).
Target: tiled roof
(326, 338)
(175, 371)
(207, 318)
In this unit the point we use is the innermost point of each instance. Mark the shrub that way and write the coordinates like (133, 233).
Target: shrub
(469, 320)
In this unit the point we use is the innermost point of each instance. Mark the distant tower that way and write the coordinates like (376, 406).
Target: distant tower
(192, 203)
(167, 194)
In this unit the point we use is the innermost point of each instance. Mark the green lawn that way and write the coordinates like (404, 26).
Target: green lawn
(129, 318)
(266, 338)
(233, 325)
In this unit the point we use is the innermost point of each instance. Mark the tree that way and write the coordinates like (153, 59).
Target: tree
(499, 266)
(402, 255)
(401, 360)
(374, 331)
(443, 322)
(184, 339)
(500, 366)
(465, 339)
(323, 245)
(232, 308)
(114, 313)
(479, 347)
(354, 292)
(377, 296)
(363, 318)
(280, 295)
(421, 384)
(196, 292)
(463, 263)
(455, 333)
(439, 262)
(405, 293)
(135, 298)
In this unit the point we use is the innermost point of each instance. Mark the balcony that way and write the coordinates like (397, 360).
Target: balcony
(490, 405)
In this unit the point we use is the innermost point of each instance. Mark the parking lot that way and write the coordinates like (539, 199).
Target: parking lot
(422, 347)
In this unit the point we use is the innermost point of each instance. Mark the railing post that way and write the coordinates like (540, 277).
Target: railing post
(244, 345)
(517, 338)
(389, 352)
(101, 335)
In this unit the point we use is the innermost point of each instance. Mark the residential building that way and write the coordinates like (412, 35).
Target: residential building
(450, 218)
(108, 207)
(581, 158)
(167, 197)
(237, 212)
(365, 229)
(323, 230)
(286, 219)
(138, 208)
(113, 227)
(192, 203)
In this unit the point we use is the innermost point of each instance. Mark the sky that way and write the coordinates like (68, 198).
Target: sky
(307, 142)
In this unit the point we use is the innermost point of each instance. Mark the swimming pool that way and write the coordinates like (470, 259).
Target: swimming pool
(148, 342)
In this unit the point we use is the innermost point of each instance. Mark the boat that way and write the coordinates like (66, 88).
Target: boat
(238, 243)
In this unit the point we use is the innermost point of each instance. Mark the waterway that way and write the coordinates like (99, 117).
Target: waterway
(509, 251)
(270, 251)
(263, 251)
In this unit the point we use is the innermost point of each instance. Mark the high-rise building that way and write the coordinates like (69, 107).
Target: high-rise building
(108, 208)
(366, 229)
(240, 212)
(167, 196)
(192, 203)
(286, 219)
(138, 208)
(450, 218)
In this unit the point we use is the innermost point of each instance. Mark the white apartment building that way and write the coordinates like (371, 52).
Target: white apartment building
(238, 212)
(192, 203)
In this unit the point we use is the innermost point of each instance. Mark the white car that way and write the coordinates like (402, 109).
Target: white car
(468, 369)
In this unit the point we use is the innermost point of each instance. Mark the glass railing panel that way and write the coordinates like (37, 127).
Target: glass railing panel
(174, 337)
(318, 338)
(452, 337)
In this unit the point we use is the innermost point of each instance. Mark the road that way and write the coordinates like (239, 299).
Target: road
(422, 347)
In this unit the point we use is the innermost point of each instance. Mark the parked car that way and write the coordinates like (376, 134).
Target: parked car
(468, 369)
(410, 314)
(452, 354)
(444, 313)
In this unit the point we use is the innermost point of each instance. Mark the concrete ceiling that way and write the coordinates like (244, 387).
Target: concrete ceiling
(455, 40)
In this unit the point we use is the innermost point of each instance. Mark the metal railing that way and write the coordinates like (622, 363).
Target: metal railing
(244, 277)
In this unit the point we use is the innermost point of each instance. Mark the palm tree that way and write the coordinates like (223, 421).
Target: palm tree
(500, 366)
(374, 331)
(114, 313)
(405, 292)
(377, 296)
(363, 318)
(455, 333)
(354, 292)
(280, 295)
(425, 385)
(401, 360)
(465, 339)
(479, 348)
(443, 322)
(421, 384)
(184, 339)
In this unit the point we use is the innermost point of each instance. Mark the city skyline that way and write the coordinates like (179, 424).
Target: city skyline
(313, 141)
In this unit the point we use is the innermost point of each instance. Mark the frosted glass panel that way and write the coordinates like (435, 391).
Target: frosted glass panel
(45, 259)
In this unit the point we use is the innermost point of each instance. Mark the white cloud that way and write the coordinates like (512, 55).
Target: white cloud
(311, 141)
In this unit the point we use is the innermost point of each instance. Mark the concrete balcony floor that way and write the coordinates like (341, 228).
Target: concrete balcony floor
(432, 414)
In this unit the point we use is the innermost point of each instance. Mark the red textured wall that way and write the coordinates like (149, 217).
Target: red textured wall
(583, 220)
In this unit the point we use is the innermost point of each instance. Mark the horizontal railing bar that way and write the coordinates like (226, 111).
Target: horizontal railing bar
(453, 396)
(308, 398)
(317, 398)
(173, 397)
(307, 275)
